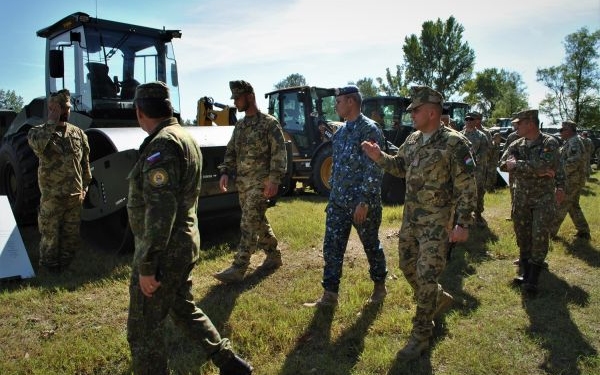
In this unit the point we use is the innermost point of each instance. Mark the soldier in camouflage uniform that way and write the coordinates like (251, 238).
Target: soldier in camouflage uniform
(479, 149)
(354, 200)
(589, 149)
(513, 136)
(440, 183)
(256, 156)
(534, 163)
(489, 174)
(495, 156)
(63, 177)
(164, 186)
(572, 157)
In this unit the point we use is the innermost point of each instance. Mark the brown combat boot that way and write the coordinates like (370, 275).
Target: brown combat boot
(272, 261)
(413, 348)
(233, 274)
(379, 293)
(328, 299)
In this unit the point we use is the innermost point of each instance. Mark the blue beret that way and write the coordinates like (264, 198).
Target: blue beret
(346, 90)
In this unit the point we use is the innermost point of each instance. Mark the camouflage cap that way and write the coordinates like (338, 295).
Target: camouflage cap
(152, 90)
(240, 87)
(570, 124)
(474, 114)
(352, 89)
(424, 94)
(528, 114)
(62, 97)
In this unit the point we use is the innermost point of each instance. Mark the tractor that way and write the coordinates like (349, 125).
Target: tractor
(308, 118)
(82, 53)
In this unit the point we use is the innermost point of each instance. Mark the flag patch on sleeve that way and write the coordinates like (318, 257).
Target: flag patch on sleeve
(469, 163)
(153, 158)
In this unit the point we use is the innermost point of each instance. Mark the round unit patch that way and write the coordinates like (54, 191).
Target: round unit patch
(158, 177)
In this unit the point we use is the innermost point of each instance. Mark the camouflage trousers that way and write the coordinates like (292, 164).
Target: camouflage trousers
(146, 323)
(422, 251)
(481, 184)
(532, 219)
(59, 222)
(571, 206)
(338, 225)
(256, 232)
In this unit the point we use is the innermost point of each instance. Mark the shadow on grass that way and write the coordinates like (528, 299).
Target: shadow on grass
(552, 327)
(314, 352)
(587, 190)
(584, 250)
(88, 266)
(463, 260)
(460, 265)
(218, 305)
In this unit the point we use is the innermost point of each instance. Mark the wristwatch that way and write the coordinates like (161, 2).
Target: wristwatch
(363, 204)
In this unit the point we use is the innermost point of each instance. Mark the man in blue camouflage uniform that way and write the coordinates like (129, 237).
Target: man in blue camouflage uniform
(354, 200)
(440, 183)
(479, 149)
(533, 161)
(573, 160)
(63, 177)
(164, 186)
(256, 156)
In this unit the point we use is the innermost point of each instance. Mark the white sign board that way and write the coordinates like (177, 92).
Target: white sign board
(14, 261)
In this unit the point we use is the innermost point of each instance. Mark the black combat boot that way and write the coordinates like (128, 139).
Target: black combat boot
(523, 272)
(530, 282)
(235, 366)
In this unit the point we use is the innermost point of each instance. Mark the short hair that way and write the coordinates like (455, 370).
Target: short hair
(155, 108)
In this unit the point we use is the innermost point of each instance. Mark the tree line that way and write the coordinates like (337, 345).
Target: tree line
(439, 58)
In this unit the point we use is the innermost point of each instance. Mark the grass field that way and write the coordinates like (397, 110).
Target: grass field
(75, 323)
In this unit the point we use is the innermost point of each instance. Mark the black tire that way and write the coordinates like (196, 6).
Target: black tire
(321, 171)
(18, 177)
(393, 189)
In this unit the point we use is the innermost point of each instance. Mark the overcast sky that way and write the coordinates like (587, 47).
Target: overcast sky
(330, 42)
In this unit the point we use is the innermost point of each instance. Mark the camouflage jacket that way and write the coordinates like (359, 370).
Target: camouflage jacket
(572, 158)
(535, 157)
(355, 177)
(588, 146)
(256, 151)
(64, 168)
(439, 177)
(164, 186)
(513, 136)
(479, 148)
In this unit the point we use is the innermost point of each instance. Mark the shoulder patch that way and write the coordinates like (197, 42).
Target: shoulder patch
(154, 158)
(158, 177)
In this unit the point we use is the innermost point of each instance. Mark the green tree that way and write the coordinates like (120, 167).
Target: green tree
(496, 93)
(394, 85)
(439, 58)
(574, 85)
(292, 80)
(367, 87)
(10, 100)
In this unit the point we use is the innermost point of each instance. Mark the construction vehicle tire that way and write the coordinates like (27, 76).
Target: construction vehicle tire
(322, 167)
(18, 177)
